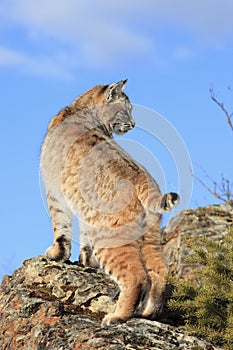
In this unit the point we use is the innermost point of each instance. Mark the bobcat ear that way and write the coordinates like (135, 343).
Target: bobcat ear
(123, 82)
(115, 90)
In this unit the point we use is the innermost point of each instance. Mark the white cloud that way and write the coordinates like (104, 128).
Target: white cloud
(72, 19)
(9, 57)
(106, 33)
(41, 66)
(209, 20)
(89, 36)
(182, 53)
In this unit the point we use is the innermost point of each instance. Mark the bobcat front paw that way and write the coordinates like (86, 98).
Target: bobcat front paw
(112, 318)
(51, 253)
(169, 201)
(86, 257)
(60, 251)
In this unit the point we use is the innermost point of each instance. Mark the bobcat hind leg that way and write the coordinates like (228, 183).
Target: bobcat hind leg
(154, 301)
(156, 268)
(124, 265)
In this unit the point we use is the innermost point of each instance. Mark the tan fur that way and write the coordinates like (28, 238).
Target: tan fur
(92, 97)
(118, 204)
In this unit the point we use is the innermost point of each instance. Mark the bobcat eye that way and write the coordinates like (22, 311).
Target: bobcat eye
(109, 97)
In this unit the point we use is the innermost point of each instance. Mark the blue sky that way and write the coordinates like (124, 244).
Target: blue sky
(51, 51)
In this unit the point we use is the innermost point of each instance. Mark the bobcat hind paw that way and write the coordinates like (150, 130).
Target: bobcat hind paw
(112, 318)
(60, 251)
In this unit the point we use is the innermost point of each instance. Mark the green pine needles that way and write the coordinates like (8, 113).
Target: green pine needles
(206, 300)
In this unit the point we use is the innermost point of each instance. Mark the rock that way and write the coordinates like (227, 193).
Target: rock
(212, 221)
(59, 306)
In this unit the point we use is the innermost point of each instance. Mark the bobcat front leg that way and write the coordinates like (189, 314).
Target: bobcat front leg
(61, 218)
(169, 201)
(151, 198)
(86, 257)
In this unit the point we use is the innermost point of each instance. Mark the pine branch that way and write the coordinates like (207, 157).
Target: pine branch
(207, 308)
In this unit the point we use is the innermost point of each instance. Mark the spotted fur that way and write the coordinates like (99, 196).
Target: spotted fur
(118, 203)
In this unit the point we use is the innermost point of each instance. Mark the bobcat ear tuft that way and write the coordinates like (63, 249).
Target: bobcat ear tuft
(124, 82)
(115, 90)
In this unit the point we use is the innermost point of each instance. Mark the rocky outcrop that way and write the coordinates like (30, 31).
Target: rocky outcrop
(212, 221)
(59, 306)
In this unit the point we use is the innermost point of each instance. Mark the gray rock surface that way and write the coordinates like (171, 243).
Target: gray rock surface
(212, 221)
(59, 306)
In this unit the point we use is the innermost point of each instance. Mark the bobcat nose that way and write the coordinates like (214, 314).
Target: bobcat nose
(132, 123)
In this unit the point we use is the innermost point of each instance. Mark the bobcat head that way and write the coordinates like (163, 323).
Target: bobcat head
(113, 106)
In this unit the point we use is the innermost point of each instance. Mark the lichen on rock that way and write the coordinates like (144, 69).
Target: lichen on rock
(59, 306)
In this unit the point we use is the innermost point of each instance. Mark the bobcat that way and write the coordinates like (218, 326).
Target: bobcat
(118, 203)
